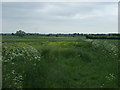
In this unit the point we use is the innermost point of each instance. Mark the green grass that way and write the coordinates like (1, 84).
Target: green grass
(59, 62)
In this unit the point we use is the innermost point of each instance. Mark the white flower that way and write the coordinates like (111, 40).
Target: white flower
(12, 63)
(13, 71)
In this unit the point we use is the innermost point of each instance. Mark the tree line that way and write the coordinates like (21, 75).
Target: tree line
(22, 33)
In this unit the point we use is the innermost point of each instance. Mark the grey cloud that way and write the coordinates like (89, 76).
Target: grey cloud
(65, 16)
(36, 10)
(0, 17)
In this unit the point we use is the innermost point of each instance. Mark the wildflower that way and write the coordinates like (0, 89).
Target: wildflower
(13, 71)
(110, 77)
(12, 63)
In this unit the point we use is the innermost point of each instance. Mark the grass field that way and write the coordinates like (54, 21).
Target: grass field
(59, 62)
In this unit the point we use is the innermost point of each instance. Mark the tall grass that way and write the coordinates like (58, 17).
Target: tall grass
(60, 64)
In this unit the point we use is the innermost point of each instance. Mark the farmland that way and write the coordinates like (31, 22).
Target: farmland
(34, 61)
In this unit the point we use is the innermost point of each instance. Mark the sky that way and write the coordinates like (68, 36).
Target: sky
(0, 17)
(60, 17)
(60, 0)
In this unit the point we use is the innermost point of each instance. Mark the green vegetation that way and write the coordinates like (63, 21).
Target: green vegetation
(59, 62)
(20, 33)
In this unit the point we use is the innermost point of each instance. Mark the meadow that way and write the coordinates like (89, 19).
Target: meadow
(34, 61)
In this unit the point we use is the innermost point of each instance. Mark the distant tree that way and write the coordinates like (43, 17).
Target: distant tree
(74, 33)
(20, 33)
(12, 33)
(48, 35)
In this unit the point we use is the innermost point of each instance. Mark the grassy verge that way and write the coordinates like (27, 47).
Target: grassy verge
(60, 64)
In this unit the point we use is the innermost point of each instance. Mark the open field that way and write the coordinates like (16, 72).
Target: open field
(59, 62)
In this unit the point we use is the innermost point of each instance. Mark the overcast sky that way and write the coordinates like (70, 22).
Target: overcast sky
(56, 17)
